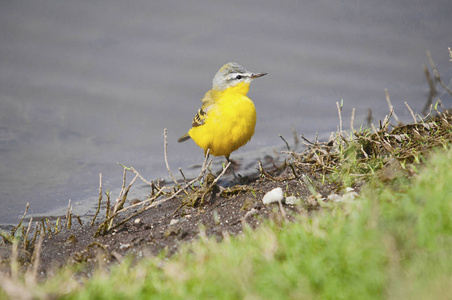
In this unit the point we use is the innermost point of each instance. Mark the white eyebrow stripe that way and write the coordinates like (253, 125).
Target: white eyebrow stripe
(233, 75)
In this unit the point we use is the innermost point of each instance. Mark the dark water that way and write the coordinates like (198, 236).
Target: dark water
(86, 84)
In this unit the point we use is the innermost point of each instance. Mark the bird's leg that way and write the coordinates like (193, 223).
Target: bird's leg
(232, 168)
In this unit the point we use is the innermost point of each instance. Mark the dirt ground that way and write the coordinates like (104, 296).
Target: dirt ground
(166, 226)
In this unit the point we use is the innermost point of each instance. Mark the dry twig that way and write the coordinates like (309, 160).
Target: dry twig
(166, 157)
(436, 73)
(68, 216)
(352, 119)
(100, 200)
(13, 231)
(391, 108)
(411, 111)
(26, 241)
(287, 144)
(122, 199)
(339, 111)
(433, 90)
(148, 203)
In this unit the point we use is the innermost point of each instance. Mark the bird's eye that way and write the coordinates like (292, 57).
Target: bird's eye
(238, 77)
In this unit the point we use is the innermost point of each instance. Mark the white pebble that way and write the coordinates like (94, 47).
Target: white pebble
(274, 195)
(173, 221)
(124, 246)
(293, 200)
(349, 197)
(335, 198)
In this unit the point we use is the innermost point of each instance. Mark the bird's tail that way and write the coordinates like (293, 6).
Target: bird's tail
(183, 138)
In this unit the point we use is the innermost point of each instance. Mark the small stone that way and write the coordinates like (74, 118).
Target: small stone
(137, 221)
(293, 200)
(348, 197)
(334, 198)
(173, 221)
(274, 195)
(124, 246)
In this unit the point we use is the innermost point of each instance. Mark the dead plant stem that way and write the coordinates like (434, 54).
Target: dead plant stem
(411, 112)
(13, 231)
(166, 157)
(100, 200)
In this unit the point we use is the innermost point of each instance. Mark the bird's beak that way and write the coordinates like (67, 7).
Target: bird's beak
(257, 75)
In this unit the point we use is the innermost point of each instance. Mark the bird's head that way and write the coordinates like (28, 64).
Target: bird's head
(231, 74)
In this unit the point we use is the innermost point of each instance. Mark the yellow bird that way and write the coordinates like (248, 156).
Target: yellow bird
(227, 117)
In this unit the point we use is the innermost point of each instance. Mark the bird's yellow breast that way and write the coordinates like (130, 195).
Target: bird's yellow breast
(229, 123)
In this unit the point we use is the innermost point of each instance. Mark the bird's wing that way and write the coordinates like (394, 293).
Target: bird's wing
(199, 118)
(201, 115)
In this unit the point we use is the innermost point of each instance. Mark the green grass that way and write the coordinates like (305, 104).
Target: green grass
(393, 242)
